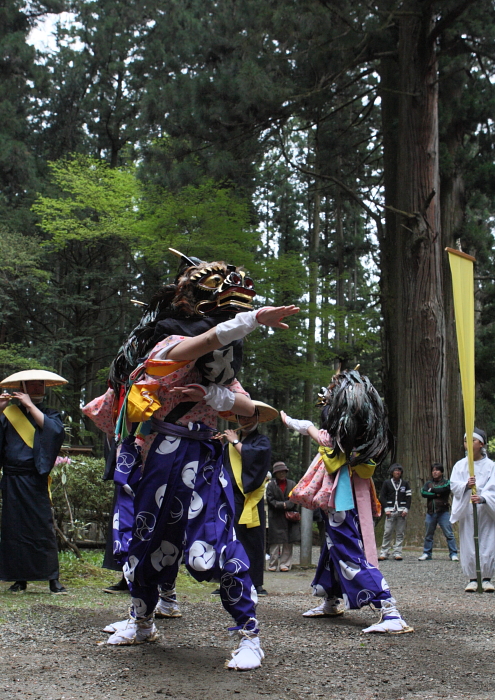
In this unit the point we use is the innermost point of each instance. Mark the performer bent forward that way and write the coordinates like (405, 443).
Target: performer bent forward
(355, 432)
(183, 499)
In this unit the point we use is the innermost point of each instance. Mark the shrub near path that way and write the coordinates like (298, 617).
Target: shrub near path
(50, 646)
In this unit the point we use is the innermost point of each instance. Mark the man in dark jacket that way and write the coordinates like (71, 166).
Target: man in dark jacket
(282, 532)
(437, 493)
(395, 497)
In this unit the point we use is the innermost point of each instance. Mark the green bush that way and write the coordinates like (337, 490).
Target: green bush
(79, 494)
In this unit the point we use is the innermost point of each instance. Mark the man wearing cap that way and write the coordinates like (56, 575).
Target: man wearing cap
(462, 512)
(30, 439)
(247, 458)
(282, 532)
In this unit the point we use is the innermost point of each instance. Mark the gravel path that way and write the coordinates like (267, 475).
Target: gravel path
(51, 650)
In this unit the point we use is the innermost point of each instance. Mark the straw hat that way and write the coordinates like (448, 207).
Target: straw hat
(33, 375)
(265, 413)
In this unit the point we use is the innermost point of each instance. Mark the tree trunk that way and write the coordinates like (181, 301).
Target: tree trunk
(453, 208)
(412, 260)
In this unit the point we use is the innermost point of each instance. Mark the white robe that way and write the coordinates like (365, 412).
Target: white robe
(462, 512)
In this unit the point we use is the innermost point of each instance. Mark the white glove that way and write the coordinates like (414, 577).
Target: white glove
(219, 397)
(300, 425)
(237, 328)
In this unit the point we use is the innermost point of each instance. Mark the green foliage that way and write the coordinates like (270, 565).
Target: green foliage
(80, 495)
(20, 257)
(75, 572)
(96, 201)
(15, 358)
(206, 220)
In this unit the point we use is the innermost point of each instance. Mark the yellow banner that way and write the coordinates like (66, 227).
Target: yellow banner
(462, 268)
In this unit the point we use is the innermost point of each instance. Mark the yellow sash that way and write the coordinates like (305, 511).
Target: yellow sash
(249, 516)
(20, 423)
(365, 470)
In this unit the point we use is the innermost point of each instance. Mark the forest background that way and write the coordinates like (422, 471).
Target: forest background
(332, 148)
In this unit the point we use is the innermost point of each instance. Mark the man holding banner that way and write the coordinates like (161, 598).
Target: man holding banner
(477, 529)
(462, 512)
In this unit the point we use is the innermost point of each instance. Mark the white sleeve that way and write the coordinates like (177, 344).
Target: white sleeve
(301, 426)
(219, 397)
(488, 493)
(461, 501)
(162, 353)
(238, 327)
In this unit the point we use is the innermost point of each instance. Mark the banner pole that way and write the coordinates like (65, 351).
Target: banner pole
(462, 268)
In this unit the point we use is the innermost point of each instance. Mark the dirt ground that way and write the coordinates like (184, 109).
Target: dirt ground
(50, 650)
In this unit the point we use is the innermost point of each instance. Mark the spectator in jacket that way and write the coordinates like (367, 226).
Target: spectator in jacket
(395, 497)
(437, 493)
(282, 532)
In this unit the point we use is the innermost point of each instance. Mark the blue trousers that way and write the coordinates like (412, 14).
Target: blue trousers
(184, 505)
(343, 570)
(442, 519)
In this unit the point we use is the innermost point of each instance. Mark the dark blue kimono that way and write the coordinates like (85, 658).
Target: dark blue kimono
(28, 546)
(256, 459)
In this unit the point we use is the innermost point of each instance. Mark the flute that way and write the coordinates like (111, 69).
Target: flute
(221, 435)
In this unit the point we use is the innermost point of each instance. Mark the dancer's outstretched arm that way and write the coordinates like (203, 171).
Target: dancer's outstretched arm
(305, 427)
(235, 329)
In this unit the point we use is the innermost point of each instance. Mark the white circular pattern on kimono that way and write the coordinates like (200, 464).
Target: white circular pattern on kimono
(159, 494)
(129, 567)
(345, 598)
(201, 556)
(349, 569)
(128, 490)
(221, 559)
(232, 589)
(189, 474)
(195, 507)
(385, 586)
(337, 518)
(234, 565)
(328, 540)
(139, 607)
(254, 595)
(117, 547)
(125, 463)
(361, 546)
(223, 513)
(208, 470)
(165, 555)
(364, 597)
(176, 511)
(144, 525)
(319, 591)
(116, 520)
(221, 478)
(168, 445)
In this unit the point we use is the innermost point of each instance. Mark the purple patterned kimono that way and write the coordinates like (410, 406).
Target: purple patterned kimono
(176, 500)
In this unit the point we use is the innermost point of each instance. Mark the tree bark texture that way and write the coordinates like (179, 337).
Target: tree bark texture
(412, 256)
